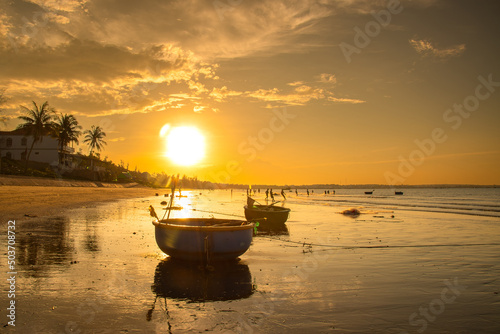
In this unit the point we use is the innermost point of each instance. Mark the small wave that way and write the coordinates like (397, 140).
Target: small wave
(476, 205)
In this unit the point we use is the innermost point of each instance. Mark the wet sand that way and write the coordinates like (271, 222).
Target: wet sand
(22, 197)
(99, 270)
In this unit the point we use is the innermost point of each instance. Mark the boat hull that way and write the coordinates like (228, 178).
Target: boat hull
(202, 239)
(273, 215)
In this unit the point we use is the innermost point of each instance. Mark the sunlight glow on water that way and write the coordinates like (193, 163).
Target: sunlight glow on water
(99, 268)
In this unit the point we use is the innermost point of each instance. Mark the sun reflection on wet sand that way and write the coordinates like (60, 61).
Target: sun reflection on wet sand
(99, 268)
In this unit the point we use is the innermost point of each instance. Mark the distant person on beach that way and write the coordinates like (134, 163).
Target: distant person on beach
(307, 192)
(283, 194)
(272, 196)
(296, 192)
(267, 193)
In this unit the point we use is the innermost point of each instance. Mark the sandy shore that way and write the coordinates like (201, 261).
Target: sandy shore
(97, 268)
(23, 197)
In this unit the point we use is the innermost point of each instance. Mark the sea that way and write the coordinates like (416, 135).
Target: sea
(426, 261)
(468, 201)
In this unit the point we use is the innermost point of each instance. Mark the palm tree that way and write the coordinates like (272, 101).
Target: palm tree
(37, 123)
(95, 139)
(66, 130)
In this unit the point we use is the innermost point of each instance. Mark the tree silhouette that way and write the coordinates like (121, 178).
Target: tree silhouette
(38, 122)
(66, 130)
(95, 139)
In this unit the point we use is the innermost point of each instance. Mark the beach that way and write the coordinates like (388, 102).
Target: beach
(25, 196)
(426, 262)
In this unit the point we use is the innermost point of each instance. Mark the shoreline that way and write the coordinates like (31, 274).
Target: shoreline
(27, 197)
(43, 181)
(20, 181)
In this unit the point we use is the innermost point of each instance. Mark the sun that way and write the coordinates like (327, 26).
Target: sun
(185, 145)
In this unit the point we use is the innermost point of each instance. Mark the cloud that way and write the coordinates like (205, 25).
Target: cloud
(265, 28)
(425, 48)
(117, 139)
(67, 6)
(345, 100)
(274, 95)
(248, 27)
(108, 78)
(108, 65)
(299, 96)
(220, 94)
(365, 7)
(301, 93)
(5, 25)
(303, 89)
(327, 78)
(198, 109)
(239, 29)
(197, 87)
(96, 58)
(295, 83)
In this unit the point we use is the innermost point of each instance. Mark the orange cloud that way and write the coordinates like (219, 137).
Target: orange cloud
(425, 48)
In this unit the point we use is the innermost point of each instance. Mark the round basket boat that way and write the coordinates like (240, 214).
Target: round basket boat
(274, 215)
(203, 239)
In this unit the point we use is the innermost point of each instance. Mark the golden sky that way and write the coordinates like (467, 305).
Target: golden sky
(285, 92)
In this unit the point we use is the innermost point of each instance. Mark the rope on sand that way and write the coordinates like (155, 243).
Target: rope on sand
(309, 244)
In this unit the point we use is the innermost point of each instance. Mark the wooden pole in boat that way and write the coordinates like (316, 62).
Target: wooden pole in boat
(171, 198)
(169, 208)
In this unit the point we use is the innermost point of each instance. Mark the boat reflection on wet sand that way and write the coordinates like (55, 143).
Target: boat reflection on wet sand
(277, 229)
(185, 280)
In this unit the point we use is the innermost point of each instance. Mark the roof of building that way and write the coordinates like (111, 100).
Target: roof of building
(16, 132)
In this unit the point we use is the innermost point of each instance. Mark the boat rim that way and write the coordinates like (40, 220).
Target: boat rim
(275, 208)
(174, 224)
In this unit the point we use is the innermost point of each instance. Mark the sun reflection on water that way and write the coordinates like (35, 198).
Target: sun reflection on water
(185, 200)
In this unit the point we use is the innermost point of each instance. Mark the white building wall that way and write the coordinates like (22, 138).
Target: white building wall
(18, 146)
